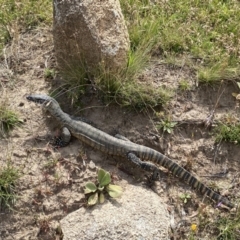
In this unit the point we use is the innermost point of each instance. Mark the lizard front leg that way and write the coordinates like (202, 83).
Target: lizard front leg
(147, 166)
(64, 138)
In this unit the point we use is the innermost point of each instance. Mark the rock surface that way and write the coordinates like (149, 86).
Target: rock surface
(138, 214)
(87, 33)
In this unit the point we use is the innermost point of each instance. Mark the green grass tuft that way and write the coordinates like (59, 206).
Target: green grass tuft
(228, 133)
(228, 227)
(8, 119)
(208, 32)
(131, 93)
(217, 73)
(8, 178)
(17, 16)
(184, 85)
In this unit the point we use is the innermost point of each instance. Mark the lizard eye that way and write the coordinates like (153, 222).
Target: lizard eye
(30, 98)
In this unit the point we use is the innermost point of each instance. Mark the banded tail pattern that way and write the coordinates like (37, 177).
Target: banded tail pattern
(192, 181)
(109, 144)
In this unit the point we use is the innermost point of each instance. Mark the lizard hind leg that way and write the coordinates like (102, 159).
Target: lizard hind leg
(147, 166)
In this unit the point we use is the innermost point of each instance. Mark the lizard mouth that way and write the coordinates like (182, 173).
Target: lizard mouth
(36, 99)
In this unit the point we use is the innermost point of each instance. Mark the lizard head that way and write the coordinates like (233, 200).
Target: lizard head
(47, 102)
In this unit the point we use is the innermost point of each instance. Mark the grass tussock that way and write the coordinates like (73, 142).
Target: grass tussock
(8, 179)
(121, 87)
(132, 93)
(8, 119)
(217, 73)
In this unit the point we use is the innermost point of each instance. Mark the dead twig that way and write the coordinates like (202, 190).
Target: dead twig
(209, 120)
(217, 175)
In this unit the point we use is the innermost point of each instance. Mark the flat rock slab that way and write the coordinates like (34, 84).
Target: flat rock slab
(138, 214)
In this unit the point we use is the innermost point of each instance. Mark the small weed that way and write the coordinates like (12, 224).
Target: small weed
(8, 119)
(166, 125)
(184, 85)
(44, 226)
(225, 226)
(97, 191)
(228, 132)
(193, 231)
(8, 178)
(185, 197)
(59, 232)
(49, 73)
(51, 164)
(108, 85)
(57, 177)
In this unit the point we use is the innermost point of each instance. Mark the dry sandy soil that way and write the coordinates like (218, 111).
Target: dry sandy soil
(51, 185)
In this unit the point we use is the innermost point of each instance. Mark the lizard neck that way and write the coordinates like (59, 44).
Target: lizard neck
(61, 116)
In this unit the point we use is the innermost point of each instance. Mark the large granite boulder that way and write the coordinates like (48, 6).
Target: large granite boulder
(138, 214)
(87, 33)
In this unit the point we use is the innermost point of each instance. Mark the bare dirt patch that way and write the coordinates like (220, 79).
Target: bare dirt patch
(51, 185)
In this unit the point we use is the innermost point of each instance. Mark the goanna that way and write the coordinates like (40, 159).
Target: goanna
(120, 146)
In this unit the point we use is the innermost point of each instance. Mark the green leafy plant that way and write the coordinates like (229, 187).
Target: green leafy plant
(96, 191)
(166, 125)
(185, 197)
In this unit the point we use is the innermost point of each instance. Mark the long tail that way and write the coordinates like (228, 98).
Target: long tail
(186, 176)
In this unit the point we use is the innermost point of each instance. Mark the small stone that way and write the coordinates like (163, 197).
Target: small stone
(92, 166)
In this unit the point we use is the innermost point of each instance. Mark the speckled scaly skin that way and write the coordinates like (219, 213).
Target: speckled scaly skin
(121, 147)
